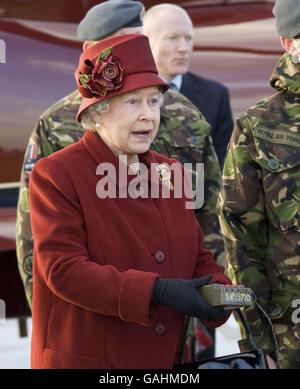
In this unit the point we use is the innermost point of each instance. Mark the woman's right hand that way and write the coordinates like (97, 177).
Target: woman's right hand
(183, 296)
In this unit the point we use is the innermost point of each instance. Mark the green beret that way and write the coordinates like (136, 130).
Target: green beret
(106, 18)
(287, 15)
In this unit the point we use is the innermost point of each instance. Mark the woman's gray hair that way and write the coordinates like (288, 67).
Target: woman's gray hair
(90, 117)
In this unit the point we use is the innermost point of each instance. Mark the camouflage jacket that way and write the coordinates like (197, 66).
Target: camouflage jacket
(260, 198)
(183, 134)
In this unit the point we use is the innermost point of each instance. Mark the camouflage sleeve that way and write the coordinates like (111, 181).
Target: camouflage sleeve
(243, 223)
(39, 145)
(56, 129)
(207, 215)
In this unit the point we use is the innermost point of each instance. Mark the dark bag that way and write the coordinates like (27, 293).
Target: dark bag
(254, 359)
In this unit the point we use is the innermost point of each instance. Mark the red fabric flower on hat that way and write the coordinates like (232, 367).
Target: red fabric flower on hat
(97, 79)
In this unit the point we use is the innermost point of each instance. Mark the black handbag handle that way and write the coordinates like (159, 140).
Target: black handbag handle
(247, 327)
(183, 339)
(244, 323)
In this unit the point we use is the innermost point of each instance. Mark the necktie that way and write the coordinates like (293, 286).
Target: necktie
(173, 86)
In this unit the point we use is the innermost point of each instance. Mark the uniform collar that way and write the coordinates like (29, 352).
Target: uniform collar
(286, 75)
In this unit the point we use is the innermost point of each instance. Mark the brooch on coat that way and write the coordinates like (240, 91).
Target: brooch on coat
(165, 175)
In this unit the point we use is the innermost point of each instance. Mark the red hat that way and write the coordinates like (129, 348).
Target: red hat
(115, 66)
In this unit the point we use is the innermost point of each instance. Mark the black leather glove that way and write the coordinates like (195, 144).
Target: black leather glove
(182, 295)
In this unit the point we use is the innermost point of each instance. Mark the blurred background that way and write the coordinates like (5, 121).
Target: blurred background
(235, 43)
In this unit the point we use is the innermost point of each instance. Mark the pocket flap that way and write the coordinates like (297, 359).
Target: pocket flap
(274, 149)
(53, 359)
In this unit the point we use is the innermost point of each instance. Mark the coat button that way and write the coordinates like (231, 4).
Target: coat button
(159, 329)
(273, 164)
(159, 256)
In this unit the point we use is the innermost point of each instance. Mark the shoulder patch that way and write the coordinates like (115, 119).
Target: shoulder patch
(30, 157)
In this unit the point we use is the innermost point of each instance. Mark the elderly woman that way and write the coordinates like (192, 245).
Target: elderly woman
(114, 275)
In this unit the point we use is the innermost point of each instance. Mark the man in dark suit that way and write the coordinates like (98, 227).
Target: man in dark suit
(170, 31)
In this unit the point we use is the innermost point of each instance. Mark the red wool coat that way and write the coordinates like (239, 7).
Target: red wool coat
(95, 263)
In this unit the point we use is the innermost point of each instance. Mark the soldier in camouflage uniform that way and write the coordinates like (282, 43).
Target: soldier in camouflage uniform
(183, 134)
(260, 201)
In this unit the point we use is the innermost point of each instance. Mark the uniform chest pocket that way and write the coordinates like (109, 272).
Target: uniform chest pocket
(278, 154)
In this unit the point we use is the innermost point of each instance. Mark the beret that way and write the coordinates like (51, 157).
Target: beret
(106, 18)
(287, 16)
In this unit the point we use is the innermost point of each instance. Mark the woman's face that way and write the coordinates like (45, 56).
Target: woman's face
(131, 123)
